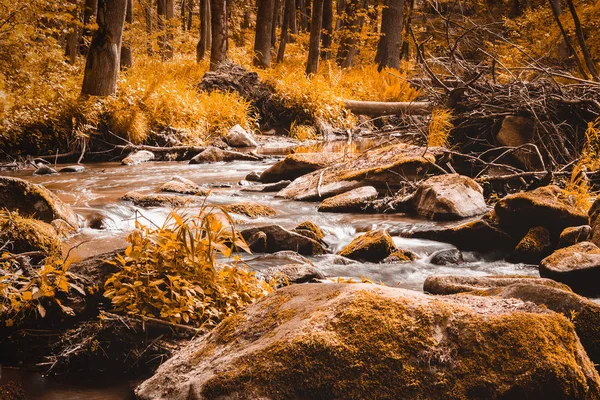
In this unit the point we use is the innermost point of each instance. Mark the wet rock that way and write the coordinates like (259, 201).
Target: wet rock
(22, 235)
(183, 186)
(585, 314)
(481, 235)
(533, 247)
(279, 258)
(383, 168)
(279, 239)
(238, 137)
(214, 154)
(445, 285)
(258, 242)
(448, 197)
(45, 170)
(293, 274)
(577, 266)
(515, 132)
(97, 221)
(399, 256)
(594, 218)
(573, 235)
(296, 165)
(310, 226)
(253, 177)
(250, 210)
(268, 188)
(459, 347)
(547, 206)
(148, 200)
(447, 257)
(373, 246)
(138, 157)
(71, 169)
(352, 201)
(35, 201)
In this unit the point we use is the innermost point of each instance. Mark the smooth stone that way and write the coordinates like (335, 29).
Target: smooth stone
(138, 157)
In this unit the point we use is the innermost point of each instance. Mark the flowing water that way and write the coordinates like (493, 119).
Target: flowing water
(95, 193)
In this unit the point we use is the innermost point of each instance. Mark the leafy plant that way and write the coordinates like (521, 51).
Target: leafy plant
(440, 128)
(172, 273)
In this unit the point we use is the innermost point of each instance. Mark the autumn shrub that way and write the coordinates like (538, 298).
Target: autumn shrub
(28, 292)
(440, 128)
(172, 272)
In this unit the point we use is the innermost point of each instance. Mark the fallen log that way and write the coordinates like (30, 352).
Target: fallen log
(378, 108)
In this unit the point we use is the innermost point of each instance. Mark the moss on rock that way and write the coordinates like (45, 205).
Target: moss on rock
(373, 246)
(312, 227)
(28, 235)
(250, 210)
(401, 256)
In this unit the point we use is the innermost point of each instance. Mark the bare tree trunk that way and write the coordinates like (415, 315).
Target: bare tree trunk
(262, 40)
(351, 27)
(289, 13)
(404, 51)
(557, 11)
(204, 42)
(89, 15)
(581, 38)
(312, 67)
(218, 53)
(183, 9)
(161, 11)
(149, 26)
(170, 14)
(103, 60)
(72, 39)
(303, 15)
(327, 34)
(390, 42)
(276, 12)
(190, 14)
(126, 52)
(340, 9)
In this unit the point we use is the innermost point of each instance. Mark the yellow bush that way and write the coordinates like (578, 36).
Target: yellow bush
(172, 273)
(440, 128)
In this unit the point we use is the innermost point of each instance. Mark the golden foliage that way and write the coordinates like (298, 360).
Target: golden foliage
(440, 128)
(172, 272)
(302, 132)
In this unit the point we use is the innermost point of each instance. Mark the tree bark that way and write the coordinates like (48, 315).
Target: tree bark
(350, 31)
(276, 12)
(170, 15)
(303, 15)
(190, 14)
(262, 40)
(218, 53)
(161, 12)
(378, 109)
(126, 51)
(557, 11)
(581, 38)
(327, 33)
(312, 67)
(89, 14)
(404, 51)
(289, 13)
(390, 42)
(149, 26)
(102, 64)
(204, 42)
(72, 39)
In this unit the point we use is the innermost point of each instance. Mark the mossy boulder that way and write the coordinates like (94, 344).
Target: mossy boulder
(481, 235)
(533, 247)
(280, 239)
(548, 206)
(214, 154)
(34, 201)
(295, 165)
(573, 235)
(577, 266)
(400, 256)
(352, 201)
(293, 274)
(250, 210)
(149, 200)
(25, 235)
(384, 168)
(312, 227)
(341, 341)
(584, 314)
(447, 197)
(373, 246)
(183, 186)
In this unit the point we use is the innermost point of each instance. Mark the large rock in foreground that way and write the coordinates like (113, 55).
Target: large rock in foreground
(577, 266)
(34, 201)
(448, 197)
(383, 168)
(342, 341)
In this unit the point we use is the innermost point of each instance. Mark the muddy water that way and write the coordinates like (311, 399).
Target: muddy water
(95, 193)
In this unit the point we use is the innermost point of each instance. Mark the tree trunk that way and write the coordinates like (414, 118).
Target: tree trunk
(581, 38)
(351, 27)
(390, 42)
(276, 12)
(126, 52)
(341, 9)
(149, 28)
(404, 51)
(89, 15)
(204, 42)
(262, 40)
(327, 34)
(218, 53)
(161, 12)
(289, 13)
(303, 15)
(72, 39)
(190, 14)
(312, 67)
(170, 15)
(102, 64)
(557, 11)
(183, 10)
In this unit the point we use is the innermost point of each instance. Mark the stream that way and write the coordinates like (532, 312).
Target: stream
(94, 194)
